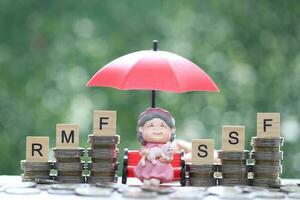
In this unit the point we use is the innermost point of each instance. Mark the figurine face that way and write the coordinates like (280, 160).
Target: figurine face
(156, 130)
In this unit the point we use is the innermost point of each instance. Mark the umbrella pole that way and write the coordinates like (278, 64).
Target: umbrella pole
(155, 48)
(153, 98)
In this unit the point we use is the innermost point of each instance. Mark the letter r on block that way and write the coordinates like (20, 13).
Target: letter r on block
(37, 149)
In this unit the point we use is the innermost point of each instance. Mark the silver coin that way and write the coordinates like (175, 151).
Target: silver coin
(99, 140)
(267, 142)
(102, 179)
(249, 189)
(233, 155)
(204, 182)
(32, 178)
(100, 153)
(43, 186)
(268, 195)
(137, 193)
(35, 166)
(233, 182)
(93, 191)
(60, 192)
(69, 166)
(294, 195)
(223, 191)
(21, 185)
(65, 186)
(290, 188)
(114, 186)
(70, 179)
(188, 195)
(68, 153)
(266, 182)
(233, 168)
(22, 191)
(266, 169)
(267, 155)
(103, 167)
(158, 189)
(201, 168)
(44, 181)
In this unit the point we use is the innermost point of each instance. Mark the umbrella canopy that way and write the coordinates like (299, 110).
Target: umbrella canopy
(153, 70)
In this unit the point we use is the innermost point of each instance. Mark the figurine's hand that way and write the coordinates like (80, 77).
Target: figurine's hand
(154, 162)
(144, 152)
(165, 159)
(142, 161)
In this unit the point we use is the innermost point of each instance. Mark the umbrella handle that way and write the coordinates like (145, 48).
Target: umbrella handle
(153, 98)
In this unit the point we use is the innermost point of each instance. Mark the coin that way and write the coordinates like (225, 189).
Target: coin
(21, 185)
(22, 191)
(103, 140)
(96, 179)
(201, 168)
(249, 189)
(266, 169)
(236, 175)
(233, 155)
(233, 168)
(294, 195)
(266, 149)
(290, 188)
(233, 162)
(267, 155)
(202, 182)
(93, 191)
(60, 166)
(68, 153)
(268, 162)
(137, 193)
(35, 166)
(267, 142)
(158, 189)
(60, 192)
(268, 195)
(102, 153)
(262, 182)
(103, 166)
(70, 179)
(69, 173)
(223, 191)
(197, 194)
(233, 181)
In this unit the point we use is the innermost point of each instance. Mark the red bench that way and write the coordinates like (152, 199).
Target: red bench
(132, 158)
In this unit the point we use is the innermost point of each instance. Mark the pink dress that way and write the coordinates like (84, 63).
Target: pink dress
(162, 171)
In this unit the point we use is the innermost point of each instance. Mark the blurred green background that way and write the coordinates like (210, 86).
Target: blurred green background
(49, 50)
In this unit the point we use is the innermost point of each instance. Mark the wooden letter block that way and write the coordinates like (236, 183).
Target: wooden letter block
(67, 136)
(233, 138)
(37, 149)
(203, 151)
(268, 125)
(105, 122)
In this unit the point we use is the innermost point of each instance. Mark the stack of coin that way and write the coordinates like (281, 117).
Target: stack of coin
(104, 155)
(69, 165)
(34, 170)
(267, 161)
(233, 167)
(201, 175)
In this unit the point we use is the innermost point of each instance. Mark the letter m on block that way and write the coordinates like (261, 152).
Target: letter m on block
(67, 136)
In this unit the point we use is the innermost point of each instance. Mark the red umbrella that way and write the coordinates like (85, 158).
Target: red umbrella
(153, 70)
